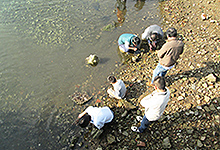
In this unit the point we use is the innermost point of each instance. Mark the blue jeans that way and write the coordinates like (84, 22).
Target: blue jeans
(144, 124)
(159, 71)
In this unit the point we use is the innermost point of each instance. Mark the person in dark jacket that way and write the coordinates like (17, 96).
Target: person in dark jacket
(168, 54)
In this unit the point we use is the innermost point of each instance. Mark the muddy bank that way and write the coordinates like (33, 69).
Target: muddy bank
(191, 119)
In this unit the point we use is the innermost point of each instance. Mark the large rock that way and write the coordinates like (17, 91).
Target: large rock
(211, 77)
(199, 143)
(166, 143)
(92, 60)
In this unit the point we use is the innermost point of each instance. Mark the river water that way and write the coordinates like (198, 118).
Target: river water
(43, 46)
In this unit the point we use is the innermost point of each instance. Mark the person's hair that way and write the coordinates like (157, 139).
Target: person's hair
(84, 120)
(171, 32)
(159, 82)
(136, 40)
(111, 79)
(154, 36)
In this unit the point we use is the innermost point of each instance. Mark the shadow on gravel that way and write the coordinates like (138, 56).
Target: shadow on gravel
(211, 67)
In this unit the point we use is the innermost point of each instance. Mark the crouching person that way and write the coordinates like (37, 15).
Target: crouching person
(95, 115)
(154, 104)
(119, 89)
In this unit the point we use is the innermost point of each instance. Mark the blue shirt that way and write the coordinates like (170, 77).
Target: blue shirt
(126, 37)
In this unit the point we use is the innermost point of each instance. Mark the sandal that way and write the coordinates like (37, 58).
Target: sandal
(140, 143)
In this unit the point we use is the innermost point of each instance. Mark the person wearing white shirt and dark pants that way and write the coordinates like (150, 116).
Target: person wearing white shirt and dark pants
(154, 104)
(95, 115)
(119, 89)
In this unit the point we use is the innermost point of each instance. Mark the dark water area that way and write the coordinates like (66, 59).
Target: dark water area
(43, 46)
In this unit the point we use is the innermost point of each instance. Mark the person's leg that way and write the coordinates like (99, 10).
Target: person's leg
(156, 72)
(113, 94)
(163, 73)
(159, 70)
(144, 124)
(122, 48)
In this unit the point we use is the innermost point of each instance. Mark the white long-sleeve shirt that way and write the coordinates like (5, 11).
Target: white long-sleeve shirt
(151, 29)
(100, 116)
(155, 104)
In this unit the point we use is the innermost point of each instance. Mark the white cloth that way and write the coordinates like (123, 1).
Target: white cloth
(151, 29)
(155, 104)
(100, 116)
(168, 67)
(118, 91)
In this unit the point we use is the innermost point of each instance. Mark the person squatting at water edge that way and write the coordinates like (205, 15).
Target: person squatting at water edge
(153, 34)
(119, 89)
(168, 54)
(154, 104)
(95, 115)
(128, 43)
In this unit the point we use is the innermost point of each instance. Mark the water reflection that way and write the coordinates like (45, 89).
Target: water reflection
(139, 4)
(121, 11)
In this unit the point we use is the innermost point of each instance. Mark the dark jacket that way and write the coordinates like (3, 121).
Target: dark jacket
(170, 52)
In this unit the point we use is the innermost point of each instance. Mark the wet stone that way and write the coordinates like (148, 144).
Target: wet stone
(110, 139)
(211, 78)
(97, 133)
(199, 143)
(166, 143)
(125, 133)
(212, 107)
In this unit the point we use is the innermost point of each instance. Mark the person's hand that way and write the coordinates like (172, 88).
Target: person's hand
(135, 49)
(154, 44)
(82, 114)
(151, 47)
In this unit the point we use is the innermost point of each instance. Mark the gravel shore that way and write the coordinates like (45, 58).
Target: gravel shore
(191, 119)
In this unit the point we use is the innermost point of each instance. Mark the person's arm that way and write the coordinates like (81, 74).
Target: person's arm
(82, 114)
(145, 34)
(133, 48)
(128, 47)
(145, 99)
(162, 51)
(114, 93)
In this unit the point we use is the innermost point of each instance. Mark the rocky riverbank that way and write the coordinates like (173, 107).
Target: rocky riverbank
(191, 119)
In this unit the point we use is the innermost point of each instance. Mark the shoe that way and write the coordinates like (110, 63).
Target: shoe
(141, 144)
(135, 129)
(139, 118)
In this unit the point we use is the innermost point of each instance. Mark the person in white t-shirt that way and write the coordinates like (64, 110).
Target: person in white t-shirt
(153, 34)
(95, 115)
(119, 89)
(154, 104)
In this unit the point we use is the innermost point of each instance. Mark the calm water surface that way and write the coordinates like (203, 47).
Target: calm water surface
(43, 46)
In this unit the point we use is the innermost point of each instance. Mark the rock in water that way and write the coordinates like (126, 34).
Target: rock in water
(81, 98)
(92, 59)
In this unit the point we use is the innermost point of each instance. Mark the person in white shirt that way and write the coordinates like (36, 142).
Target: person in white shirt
(95, 115)
(119, 89)
(153, 34)
(154, 104)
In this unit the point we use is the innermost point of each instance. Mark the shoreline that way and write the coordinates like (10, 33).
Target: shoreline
(191, 119)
